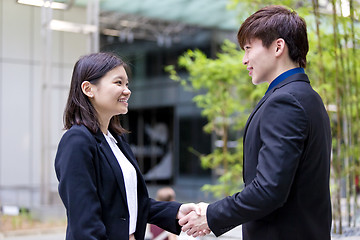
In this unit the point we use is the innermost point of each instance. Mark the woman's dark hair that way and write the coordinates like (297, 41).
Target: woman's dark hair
(273, 22)
(79, 109)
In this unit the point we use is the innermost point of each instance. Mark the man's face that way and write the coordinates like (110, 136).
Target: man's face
(260, 61)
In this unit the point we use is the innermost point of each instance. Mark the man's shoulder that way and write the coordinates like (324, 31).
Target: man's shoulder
(298, 78)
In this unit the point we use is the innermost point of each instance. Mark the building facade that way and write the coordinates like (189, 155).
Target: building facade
(35, 71)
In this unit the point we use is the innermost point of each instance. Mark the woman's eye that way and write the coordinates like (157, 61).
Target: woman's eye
(119, 82)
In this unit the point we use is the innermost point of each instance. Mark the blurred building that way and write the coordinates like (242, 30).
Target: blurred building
(38, 48)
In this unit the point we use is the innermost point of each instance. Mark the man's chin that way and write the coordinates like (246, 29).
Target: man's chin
(255, 81)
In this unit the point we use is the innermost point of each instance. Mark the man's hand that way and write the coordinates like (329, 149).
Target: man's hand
(185, 209)
(195, 224)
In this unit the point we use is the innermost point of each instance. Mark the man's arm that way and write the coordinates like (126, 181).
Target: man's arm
(282, 133)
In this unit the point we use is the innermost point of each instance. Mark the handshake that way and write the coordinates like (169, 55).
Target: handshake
(192, 218)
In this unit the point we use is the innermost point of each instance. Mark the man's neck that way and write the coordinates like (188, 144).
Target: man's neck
(283, 67)
(284, 76)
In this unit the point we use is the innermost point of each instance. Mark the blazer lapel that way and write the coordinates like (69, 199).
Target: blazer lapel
(113, 162)
(126, 150)
(258, 105)
(292, 78)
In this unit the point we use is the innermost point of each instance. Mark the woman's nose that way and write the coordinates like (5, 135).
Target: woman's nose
(127, 91)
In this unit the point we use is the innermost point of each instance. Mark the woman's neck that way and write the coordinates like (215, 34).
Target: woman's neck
(104, 125)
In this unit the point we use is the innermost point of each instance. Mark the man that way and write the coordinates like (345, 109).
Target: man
(287, 142)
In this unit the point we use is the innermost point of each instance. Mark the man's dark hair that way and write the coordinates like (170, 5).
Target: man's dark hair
(273, 22)
(79, 109)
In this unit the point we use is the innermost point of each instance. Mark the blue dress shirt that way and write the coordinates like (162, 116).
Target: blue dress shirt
(283, 76)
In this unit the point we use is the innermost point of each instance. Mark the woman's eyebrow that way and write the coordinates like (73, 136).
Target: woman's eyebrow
(121, 77)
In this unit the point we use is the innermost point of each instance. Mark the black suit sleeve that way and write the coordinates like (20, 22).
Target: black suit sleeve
(77, 185)
(282, 131)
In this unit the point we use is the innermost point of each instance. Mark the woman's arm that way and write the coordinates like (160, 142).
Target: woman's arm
(77, 185)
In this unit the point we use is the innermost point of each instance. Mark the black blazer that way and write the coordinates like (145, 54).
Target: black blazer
(91, 186)
(287, 145)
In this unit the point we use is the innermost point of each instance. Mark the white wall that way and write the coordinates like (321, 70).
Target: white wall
(21, 51)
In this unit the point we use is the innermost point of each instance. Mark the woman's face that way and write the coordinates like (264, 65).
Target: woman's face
(111, 93)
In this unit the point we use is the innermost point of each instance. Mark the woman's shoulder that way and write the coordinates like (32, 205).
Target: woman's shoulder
(78, 129)
(78, 133)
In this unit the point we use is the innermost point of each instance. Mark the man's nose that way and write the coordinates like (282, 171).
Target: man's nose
(245, 60)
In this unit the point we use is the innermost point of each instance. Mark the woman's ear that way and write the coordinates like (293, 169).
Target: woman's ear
(86, 89)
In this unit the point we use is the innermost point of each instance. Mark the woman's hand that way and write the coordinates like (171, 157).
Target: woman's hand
(185, 209)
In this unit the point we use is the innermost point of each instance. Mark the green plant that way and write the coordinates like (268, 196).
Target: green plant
(225, 94)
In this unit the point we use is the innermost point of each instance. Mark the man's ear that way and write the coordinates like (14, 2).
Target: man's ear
(86, 89)
(280, 46)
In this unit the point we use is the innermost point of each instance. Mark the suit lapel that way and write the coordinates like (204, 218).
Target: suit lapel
(258, 105)
(110, 157)
(292, 78)
(126, 150)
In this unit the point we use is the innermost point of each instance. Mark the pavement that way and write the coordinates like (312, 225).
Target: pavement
(47, 236)
(231, 235)
(59, 234)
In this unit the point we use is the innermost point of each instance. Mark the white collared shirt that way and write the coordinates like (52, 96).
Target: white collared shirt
(130, 179)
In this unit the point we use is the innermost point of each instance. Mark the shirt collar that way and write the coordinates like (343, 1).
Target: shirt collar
(109, 136)
(283, 76)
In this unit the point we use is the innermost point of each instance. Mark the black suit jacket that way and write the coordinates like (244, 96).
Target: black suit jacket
(287, 145)
(91, 186)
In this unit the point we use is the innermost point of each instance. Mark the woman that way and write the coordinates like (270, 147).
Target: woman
(163, 194)
(100, 182)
